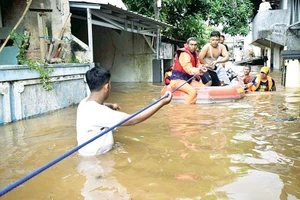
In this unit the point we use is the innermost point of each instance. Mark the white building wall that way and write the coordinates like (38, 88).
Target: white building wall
(125, 54)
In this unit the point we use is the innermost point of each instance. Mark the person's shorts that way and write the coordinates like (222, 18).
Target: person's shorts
(205, 78)
(210, 76)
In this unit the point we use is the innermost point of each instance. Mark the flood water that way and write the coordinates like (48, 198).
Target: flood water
(248, 149)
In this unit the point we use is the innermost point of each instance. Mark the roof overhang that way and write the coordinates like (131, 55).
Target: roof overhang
(110, 16)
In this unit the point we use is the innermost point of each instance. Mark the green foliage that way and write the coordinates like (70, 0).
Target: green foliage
(189, 16)
(21, 41)
(232, 14)
(145, 7)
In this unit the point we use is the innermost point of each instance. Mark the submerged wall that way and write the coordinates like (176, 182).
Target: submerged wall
(22, 95)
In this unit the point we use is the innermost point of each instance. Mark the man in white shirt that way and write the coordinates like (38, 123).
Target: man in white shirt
(264, 5)
(95, 116)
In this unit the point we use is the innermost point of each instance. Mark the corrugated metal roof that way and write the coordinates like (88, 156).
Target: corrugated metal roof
(105, 4)
(117, 3)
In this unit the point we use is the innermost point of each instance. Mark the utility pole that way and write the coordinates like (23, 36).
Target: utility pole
(157, 7)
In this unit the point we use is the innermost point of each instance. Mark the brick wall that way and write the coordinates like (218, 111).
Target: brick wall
(33, 54)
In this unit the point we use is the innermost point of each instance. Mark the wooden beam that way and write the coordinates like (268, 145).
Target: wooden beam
(42, 32)
(90, 34)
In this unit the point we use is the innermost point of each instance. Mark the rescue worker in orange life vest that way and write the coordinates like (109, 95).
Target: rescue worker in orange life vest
(262, 82)
(187, 66)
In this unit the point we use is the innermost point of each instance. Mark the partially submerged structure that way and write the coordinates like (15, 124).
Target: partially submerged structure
(69, 35)
(278, 32)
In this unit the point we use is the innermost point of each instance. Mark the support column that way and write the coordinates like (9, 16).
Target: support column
(1, 25)
(276, 57)
(269, 54)
(18, 88)
(90, 34)
(5, 114)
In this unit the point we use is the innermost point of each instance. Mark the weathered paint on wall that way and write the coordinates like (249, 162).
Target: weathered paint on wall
(126, 55)
(25, 97)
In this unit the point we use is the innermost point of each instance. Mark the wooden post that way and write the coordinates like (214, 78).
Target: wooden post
(42, 32)
(90, 34)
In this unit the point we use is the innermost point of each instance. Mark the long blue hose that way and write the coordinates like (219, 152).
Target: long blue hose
(56, 160)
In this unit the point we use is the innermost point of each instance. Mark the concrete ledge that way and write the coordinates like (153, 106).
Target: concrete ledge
(23, 72)
(22, 95)
(290, 54)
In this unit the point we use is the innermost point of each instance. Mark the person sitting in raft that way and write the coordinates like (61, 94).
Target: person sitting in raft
(262, 82)
(185, 67)
(209, 58)
(168, 73)
(95, 116)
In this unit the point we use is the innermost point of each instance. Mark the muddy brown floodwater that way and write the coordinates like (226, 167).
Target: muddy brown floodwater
(248, 149)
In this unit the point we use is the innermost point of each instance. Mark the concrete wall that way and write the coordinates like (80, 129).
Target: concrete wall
(292, 39)
(293, 73)
(270, 25)
(125, 54)
(22, 95)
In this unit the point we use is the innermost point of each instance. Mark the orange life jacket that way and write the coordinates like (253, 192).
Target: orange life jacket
(178, 71)
(255, 86)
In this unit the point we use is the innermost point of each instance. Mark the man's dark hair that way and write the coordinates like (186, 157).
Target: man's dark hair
(191, 39)
(97, 77)
(248, 67)
(215, 34)
(223, 36)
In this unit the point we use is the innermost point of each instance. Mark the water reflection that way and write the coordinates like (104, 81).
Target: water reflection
(99, 184)
(247, 149)
(249, 187)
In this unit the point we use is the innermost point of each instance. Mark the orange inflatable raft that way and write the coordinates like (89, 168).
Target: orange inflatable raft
(212, 94)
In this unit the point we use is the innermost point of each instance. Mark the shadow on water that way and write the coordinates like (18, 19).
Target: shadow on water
(247, 149)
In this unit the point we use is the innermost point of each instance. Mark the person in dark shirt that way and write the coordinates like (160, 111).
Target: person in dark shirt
(222, 39)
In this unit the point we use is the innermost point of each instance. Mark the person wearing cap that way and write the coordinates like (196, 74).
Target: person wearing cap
(262, 82)
(185, 67)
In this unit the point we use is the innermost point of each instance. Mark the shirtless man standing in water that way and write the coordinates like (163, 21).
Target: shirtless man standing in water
(210, 53)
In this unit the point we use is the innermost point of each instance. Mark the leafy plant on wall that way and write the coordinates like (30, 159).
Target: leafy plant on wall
(21, 41)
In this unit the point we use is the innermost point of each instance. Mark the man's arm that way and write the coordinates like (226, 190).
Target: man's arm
(273, 85)
(185, 62)
(252, 82)
(225, 55)
(113, 106)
